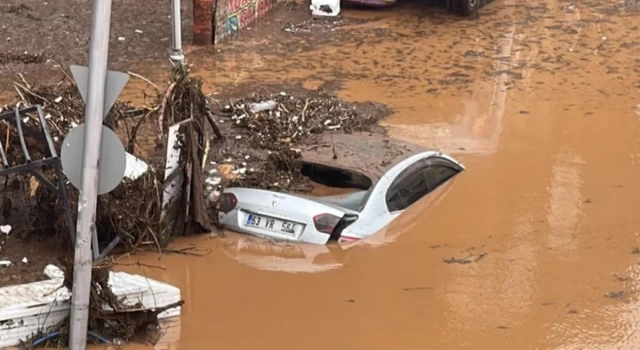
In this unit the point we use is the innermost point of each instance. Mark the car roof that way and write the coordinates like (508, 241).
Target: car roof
(371, 155)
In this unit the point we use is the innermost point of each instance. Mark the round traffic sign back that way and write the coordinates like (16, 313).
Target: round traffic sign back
(112, 159)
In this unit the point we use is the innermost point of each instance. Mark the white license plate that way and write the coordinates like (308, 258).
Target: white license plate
(272, 224)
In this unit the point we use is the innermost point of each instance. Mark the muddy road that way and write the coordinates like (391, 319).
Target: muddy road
(535, 246)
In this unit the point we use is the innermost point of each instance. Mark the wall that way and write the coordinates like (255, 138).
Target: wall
(231, 15)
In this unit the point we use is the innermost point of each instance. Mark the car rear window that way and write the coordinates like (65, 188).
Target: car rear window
(334, 177)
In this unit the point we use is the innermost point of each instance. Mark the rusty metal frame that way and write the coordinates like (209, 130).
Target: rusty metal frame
(32, 166)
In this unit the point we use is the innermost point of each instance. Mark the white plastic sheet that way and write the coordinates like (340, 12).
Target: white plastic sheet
(325, 8)
(28, 308)
(135, 167)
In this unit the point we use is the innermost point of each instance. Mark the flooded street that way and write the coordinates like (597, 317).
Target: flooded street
(533, 247)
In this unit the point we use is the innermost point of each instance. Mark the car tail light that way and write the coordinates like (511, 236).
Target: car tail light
(325, 223)
(346, 220)
(228, 202)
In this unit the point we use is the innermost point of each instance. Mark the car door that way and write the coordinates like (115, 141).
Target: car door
(408, 187)
(439, 171)
(418, 180)
(393, 194)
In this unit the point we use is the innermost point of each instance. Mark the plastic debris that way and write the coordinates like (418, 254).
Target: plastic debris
(226, 170)
(264, 155)
(325, 8)
(239, 171)
(263, 106)
(213, 181)
(135, 167)
(214, 196)
(5, 229)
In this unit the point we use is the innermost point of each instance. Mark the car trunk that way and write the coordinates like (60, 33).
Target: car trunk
(286, 216)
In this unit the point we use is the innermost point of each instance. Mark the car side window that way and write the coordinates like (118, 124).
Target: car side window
(417, 181)
(395, 202)
(410, 185)
(437, 174)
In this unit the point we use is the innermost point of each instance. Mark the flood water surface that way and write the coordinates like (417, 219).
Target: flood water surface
(534, 246)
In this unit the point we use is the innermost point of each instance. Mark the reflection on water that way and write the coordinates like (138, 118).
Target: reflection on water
(291, 257)
(408, 220)
(565, 203)
(169, 334)
(466, 292)
(477, 129)
(167, 337)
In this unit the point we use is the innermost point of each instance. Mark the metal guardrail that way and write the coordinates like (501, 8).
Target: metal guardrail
(33, 166)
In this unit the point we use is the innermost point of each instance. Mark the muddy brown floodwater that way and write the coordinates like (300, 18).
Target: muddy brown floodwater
(533, 247)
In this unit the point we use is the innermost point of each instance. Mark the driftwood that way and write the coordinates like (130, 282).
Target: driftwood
(191, 218)
(214, 126)
(160, 127)
(199, 215)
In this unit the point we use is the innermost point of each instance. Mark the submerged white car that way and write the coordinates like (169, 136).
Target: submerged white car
(389, 176)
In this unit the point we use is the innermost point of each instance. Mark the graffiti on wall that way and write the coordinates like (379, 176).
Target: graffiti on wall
(244, 12)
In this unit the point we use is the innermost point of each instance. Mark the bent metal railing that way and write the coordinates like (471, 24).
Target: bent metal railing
(32, 166)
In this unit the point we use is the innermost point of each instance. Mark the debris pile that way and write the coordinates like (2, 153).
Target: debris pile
(183, 100)
(132, 211)
(132, 214)
(110, 318)
(64, 107)
(24, 58)
(286, 119)
(258, 142)
(185, 103)
(265, 135)
(322, 24)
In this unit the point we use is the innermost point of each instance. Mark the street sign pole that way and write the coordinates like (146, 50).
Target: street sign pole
(177, 55)
(86, 227)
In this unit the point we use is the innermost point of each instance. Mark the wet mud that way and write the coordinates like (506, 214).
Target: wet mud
(37, 36)
(535, 246)
(264, 149)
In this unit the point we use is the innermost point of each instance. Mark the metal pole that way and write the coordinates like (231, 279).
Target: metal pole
(176, 55)
(86, 228)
